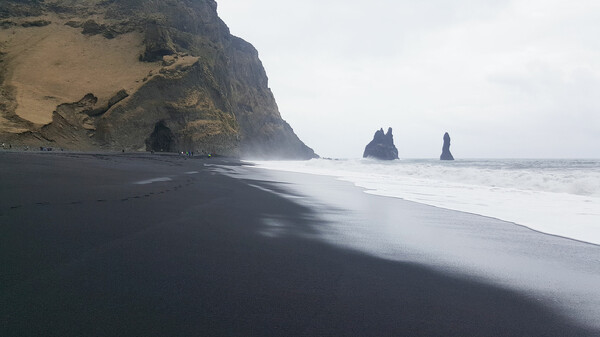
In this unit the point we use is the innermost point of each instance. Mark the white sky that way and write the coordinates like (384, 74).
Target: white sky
(506, 79)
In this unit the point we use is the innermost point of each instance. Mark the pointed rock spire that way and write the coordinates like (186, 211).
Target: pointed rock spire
(446, 155)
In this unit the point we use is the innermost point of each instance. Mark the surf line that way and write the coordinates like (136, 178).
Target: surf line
(153, 180)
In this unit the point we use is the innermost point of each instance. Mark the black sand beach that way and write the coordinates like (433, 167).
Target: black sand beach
(85, 251)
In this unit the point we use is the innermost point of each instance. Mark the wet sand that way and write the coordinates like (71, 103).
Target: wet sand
(156, 245)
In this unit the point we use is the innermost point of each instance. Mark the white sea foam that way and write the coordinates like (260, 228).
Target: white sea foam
(560, 197)
(154, 180)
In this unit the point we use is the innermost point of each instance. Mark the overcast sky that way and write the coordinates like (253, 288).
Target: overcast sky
(506, 79)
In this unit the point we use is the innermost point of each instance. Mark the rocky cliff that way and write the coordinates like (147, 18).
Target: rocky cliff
(382, 146)
(137, 75)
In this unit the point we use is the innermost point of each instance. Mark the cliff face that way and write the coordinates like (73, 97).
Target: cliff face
(138, 75)
(382, 146)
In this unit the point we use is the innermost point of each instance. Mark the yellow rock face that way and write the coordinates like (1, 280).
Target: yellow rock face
(56, 64)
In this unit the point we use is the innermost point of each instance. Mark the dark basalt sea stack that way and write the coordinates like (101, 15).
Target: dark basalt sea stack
(382, 146)
(138, 75)
(446, 155)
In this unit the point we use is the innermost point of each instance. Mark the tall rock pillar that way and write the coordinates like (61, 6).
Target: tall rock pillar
(446, 155)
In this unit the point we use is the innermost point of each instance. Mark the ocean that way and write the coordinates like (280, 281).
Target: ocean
(554, 196)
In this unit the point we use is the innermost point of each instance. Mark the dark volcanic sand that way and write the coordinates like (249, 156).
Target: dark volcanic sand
(86, 252)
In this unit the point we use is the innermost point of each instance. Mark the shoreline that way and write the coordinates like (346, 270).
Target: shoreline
(481, 189)
(404, 230)
(88, 252)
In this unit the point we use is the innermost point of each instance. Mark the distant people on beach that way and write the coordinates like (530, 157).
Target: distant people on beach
(187, 153)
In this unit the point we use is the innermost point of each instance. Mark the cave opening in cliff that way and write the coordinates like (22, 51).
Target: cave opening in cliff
(161, 139)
